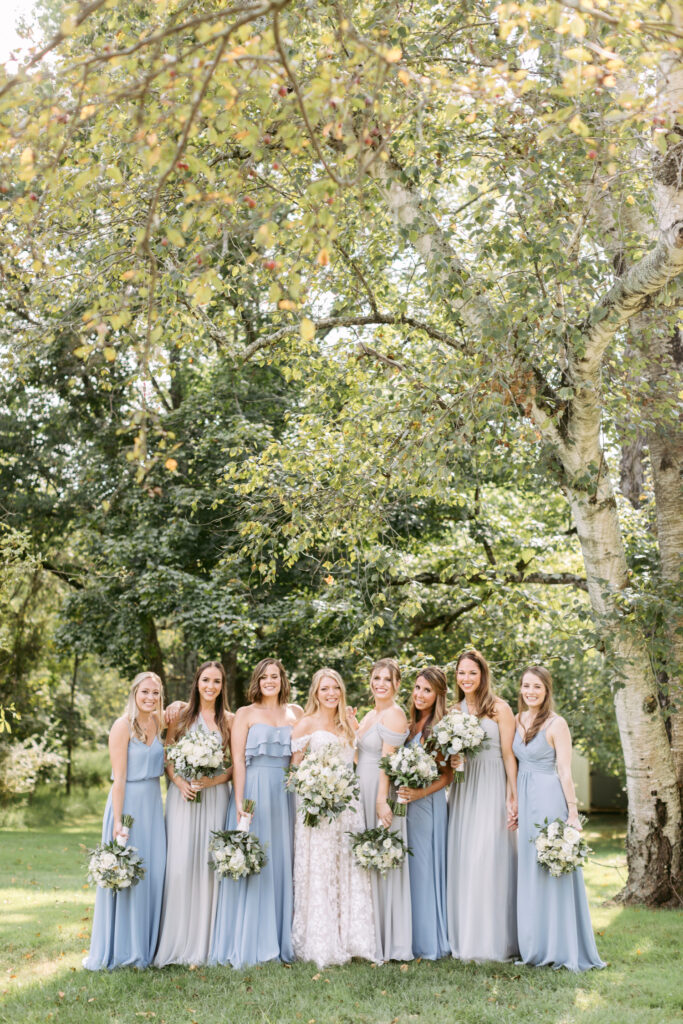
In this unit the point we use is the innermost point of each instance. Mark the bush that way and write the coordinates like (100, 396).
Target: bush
(25, 763)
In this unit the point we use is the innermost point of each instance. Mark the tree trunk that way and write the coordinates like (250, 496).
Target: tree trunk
(152, 655)
(236, 692)
(70, 727)
(666, 460)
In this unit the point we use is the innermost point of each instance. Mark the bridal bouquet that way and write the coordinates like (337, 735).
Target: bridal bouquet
(378, 849)
(408, 766)
(457, 733)
(197, 754)
(325, 784)
(115, 865)
(560, 847)
(235, 854)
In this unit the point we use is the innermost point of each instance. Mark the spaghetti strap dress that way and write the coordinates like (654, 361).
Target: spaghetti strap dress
(481, 881)
(126, 924)
(553, 920)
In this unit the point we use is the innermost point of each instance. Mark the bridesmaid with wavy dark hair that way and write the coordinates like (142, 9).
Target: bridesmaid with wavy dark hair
(191, 887)
(254, 914)
(427, 819)
(482, 844)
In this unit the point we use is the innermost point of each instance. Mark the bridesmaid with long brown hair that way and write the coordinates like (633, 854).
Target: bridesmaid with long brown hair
(482, 844)
(427, 819)
(191, 887)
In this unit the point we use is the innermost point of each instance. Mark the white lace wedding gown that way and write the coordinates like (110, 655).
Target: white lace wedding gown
(333, 915)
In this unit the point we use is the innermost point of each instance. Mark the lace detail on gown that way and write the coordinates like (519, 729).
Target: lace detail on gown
(333, 915)
(300, 744)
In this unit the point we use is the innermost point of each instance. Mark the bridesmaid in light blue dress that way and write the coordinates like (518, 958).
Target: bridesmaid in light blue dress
(553, 920)
(482, 842)
(254, 915)
(382, 731)
(126, 924)
(427, 820)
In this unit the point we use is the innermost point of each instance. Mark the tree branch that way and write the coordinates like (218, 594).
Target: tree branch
(431, 579)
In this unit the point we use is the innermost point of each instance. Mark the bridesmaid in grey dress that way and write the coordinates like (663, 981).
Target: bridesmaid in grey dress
(553, 919)
(381, 732)
(482, 844)
(191, 887)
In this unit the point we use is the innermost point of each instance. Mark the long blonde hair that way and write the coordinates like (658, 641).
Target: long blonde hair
(313, 704)
(131, 711)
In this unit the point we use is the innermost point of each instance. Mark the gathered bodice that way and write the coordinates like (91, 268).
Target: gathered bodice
(490, 749)
(370, 743)
(144, 762)
(320, 738)
(268, 745)
(535, 756)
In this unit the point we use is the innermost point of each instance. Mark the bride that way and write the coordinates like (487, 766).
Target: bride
(333, 918)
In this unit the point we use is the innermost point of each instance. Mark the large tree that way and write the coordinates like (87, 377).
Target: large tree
(414, 189)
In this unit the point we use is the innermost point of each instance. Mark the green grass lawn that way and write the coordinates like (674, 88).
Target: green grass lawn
(46, 914)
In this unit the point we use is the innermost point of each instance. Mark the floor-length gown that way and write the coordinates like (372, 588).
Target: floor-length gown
(390, 892)
(126, 924)
(481, 864)
(191, 887)
(333, 918)
(553, 920)
(254, 914)
(427, 820)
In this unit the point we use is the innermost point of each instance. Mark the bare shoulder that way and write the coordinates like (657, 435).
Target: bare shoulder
(558, 726)
(395, 719)
(229, 717)
(243, 715)
(303, 726)
(120, 730)
(296, 711)
(503, 710)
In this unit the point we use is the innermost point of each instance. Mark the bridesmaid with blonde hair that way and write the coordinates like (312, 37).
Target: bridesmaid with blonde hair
(332, 898)
(553, 919)
(191, 887)
(126, 924)
(382, 731)
(482, 844)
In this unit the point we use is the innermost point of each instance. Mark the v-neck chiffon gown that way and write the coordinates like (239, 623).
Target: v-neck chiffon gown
(126, 924)
(553, 920)
(191, 887)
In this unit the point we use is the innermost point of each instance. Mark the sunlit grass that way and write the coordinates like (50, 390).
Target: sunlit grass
(46, 914)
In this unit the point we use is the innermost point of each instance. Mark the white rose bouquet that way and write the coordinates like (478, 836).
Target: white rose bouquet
(378, 849)
(408, 766)
(196, 755)
(115, 865)
(235, 854)
(457, 733)
(325, 784)
(560, 847)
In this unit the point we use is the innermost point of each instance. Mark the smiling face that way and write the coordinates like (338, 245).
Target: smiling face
(468, 675)
(210, 683)
(424, 695)
(329, 693)
(148, 696)
(270, 681)
(533, 691)
(382, 683)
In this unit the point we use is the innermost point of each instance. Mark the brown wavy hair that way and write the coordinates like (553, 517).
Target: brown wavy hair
(191, 711)
(313, 704)
(484, 696)
(393, 667)
(254, 695)
(547, 707)
(436, 677)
